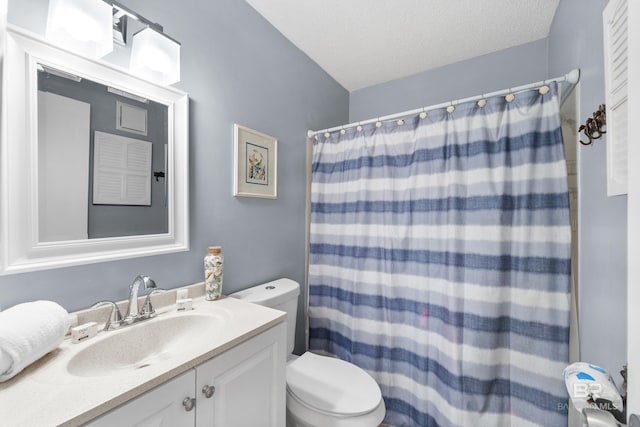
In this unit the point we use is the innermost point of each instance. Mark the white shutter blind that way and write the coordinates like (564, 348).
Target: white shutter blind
(615, 26)
(121, 170)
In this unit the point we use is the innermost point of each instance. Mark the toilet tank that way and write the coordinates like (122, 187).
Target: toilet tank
(280, 294)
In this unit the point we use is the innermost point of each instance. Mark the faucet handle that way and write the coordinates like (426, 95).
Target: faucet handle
(147, 308)
(115, 317)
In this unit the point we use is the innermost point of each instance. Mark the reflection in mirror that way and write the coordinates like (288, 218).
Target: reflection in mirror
(98, 150)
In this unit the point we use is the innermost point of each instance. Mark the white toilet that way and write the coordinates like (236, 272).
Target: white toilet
(322, 391)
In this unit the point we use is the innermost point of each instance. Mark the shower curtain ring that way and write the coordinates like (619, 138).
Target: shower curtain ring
(423, 114)
(451, 108)
(510, 96)
(378, 123)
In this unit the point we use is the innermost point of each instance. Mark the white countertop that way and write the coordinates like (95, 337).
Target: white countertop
(46, 394)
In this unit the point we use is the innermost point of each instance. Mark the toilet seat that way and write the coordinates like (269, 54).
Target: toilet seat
(332, 386)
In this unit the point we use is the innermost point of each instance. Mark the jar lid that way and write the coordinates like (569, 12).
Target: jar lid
(215, 249)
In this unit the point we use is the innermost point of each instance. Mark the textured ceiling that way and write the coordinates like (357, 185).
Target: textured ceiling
(361, 43)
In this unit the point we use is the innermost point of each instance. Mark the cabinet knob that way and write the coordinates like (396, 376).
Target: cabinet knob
(189, 403)
(208, 391)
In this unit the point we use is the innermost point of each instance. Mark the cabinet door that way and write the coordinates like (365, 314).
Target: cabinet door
(249, 382)
(160, 407)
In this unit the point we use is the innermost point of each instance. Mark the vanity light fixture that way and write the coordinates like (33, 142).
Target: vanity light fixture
(88, 27)
(155, 57)
(82, 26)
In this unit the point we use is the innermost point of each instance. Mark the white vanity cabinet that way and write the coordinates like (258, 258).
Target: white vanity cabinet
(160, 407)
(243, 386)
(246, 385)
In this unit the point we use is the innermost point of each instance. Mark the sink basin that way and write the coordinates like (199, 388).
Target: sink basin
(144, 344)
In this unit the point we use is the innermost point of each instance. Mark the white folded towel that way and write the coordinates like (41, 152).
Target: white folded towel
(27, 332)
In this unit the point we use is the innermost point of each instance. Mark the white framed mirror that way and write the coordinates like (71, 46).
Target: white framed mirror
(94, 161)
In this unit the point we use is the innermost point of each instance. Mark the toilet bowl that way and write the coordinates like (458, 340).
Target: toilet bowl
(322, 391)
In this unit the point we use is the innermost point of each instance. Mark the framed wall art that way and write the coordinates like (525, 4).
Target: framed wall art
(255, 164)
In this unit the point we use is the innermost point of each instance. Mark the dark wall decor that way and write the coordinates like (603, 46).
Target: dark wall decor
(595, 126)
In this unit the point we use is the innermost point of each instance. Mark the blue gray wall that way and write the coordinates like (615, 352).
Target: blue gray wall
(575, 40)
(506, 68)
(236, 68)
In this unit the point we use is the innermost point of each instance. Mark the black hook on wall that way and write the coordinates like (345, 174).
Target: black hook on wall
(595, 127)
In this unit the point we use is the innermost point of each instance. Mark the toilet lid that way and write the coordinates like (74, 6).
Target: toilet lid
(332, 385)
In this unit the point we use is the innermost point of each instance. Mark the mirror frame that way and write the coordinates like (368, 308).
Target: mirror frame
(20, 250)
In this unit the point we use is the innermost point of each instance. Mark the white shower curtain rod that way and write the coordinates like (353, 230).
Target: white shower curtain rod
(571, 78)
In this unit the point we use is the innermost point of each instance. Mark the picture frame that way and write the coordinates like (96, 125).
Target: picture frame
(255, 160)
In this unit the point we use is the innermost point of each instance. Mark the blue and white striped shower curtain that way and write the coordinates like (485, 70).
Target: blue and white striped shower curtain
(440, 262)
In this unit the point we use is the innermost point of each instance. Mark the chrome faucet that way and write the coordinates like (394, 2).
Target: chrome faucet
(133, 312)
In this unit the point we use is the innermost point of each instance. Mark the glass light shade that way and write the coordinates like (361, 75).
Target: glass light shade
(81, 26)
(155, 57)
